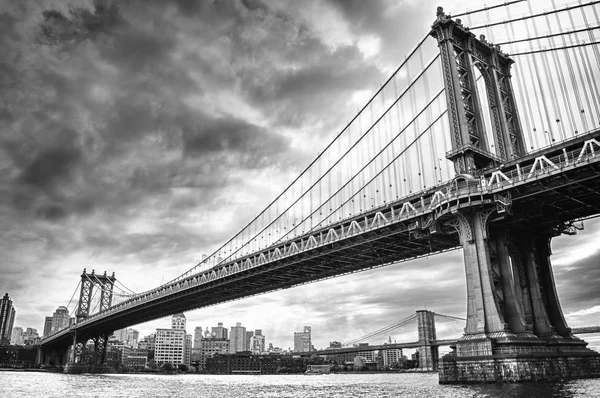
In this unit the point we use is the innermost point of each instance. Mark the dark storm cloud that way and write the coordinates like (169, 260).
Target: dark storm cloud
(252, 145)
(50, 165)
(393, 22)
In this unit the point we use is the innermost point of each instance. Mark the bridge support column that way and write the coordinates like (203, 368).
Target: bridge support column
(98, 366)
(428, 354)
(75, 364)
(515, 328)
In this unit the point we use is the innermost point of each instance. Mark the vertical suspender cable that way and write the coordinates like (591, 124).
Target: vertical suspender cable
(561, 82)
(571, 70)
(591, 83)
(521, 92)
(543, 96)
(553, 95)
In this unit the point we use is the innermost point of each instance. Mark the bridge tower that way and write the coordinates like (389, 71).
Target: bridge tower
(428, 354)
(515, 326)
(89, 281)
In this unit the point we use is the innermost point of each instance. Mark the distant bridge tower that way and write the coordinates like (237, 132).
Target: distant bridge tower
(428, 353)
(515, 326)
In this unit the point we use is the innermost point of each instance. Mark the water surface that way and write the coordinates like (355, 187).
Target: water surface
(51, 385)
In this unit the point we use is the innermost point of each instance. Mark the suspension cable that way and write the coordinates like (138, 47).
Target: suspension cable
(73, 295)
(546, 49)
(566, 8)
(384, 330)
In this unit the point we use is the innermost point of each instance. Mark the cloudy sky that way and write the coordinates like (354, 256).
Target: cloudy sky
(128, 129)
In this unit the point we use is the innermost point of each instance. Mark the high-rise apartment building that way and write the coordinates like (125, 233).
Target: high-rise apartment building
(258, 342)
(60, 319)
(16, 337)
(187, 349)
(248, 343)
(219, 332)
(391, 356)
(302, 340)
(197, 336)
(237, 338)
(47, 326)
(7, 319)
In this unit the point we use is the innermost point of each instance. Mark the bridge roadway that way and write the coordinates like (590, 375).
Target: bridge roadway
(556, 184)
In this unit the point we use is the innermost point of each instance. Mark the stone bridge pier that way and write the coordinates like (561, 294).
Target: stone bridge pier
(428, 353)
(515, 327)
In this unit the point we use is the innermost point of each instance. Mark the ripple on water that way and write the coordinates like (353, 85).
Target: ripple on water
(55, 385)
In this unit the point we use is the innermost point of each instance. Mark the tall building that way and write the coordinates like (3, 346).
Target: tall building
(219, 332)
(131, 337)
(60, 319)
(16, 337)
(178, 321)
(248, 343)
(47, 326)
(197, 336)
(302, 342)
(7, 319)
(237, 338)
(187, 350)
(171, 344)
(258, 342)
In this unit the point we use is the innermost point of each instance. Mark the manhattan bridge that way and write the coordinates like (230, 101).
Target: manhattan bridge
(485, 138)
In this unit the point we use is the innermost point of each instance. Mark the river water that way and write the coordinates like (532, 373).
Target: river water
(38, 384)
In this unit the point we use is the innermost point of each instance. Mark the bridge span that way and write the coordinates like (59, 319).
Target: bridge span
(526, 168)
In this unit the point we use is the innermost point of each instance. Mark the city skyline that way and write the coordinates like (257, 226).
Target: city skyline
(140, 156)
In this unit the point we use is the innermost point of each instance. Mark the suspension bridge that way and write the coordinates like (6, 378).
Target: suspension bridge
(424, 331)
(486, 143)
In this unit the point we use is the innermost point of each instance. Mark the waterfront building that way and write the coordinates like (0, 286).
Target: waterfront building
(7, 319)
(302, 340)
(237, 338)
(211, 346)
(60, 319)
(171, 345)
(391, 356)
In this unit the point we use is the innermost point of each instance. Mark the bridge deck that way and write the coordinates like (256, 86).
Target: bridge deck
(405, 229)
